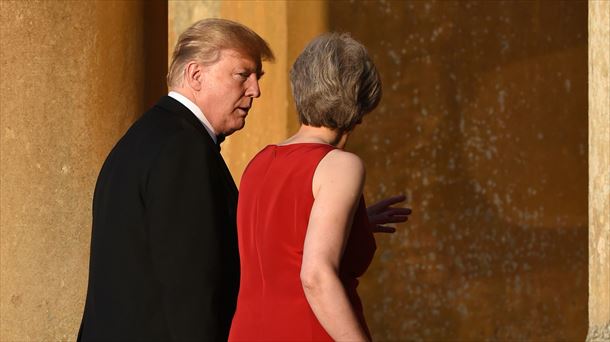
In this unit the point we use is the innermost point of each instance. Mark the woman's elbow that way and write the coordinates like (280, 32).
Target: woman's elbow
(313, 279)
(309, 280)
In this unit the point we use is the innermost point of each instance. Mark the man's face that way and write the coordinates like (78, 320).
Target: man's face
(228, 88)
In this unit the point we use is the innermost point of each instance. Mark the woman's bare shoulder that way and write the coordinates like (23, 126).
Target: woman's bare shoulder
(339, 170)
(340, 160)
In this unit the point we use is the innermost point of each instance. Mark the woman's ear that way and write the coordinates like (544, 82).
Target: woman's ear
(193, 75)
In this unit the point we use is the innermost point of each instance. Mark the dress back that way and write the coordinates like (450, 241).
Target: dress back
(274, 204)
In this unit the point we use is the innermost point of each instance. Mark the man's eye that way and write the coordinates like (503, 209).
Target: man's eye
(244, 75)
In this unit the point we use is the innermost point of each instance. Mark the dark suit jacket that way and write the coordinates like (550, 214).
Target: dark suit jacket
(164, 259)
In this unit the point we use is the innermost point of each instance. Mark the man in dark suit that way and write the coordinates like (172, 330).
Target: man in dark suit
(164, 261)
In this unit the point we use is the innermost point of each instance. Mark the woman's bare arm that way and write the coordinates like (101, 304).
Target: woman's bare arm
(337, 187)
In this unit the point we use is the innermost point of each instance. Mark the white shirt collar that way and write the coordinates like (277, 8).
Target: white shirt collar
(196, 110)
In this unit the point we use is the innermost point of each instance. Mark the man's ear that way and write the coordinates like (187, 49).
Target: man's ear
(193, 75)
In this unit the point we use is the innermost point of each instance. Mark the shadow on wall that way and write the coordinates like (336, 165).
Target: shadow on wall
(483, 125)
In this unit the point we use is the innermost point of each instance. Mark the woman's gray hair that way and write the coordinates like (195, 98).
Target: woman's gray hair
(204, 41)
(334, 82)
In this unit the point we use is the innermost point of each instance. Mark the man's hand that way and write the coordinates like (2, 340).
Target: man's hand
(381, 213)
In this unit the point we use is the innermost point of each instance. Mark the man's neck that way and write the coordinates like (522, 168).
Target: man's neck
(189, 103)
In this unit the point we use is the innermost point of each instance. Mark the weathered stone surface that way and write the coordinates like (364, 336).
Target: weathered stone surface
(599, 171)
(483, 125)
(599, 333)
(74, 75)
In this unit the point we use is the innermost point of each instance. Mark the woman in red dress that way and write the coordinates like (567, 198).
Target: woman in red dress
(303, 230)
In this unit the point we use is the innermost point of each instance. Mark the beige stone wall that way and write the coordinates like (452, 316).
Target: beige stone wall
(599, 171)
(483, 125)
(74, 75)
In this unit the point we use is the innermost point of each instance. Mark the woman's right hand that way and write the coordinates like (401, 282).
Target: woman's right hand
(382, 213)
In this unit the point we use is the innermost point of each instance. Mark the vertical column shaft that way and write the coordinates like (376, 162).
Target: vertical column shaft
(599, 171)
(75, 75)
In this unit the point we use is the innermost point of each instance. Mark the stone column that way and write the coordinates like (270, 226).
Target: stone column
(599, 171)
(74, 76)
(287, 26)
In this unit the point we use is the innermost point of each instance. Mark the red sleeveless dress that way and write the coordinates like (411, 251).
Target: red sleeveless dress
(275, 201)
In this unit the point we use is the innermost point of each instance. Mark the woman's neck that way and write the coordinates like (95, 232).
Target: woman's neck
(321, 135)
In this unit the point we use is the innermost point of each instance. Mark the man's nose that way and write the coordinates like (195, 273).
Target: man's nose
(253, 89)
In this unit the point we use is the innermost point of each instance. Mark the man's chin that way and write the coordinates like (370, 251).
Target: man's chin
(238, 125)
